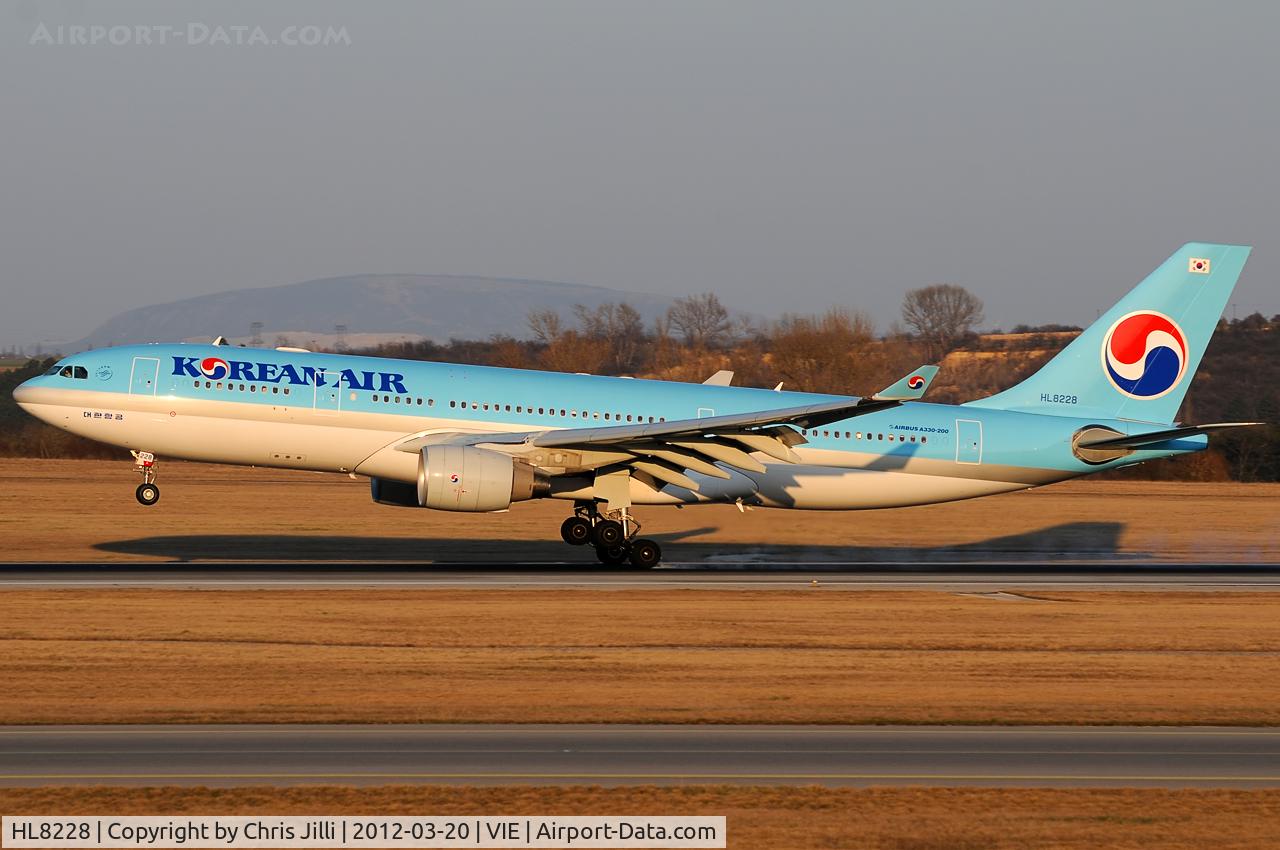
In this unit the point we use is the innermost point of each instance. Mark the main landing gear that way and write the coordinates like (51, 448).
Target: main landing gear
(613, 535)
(148, 492)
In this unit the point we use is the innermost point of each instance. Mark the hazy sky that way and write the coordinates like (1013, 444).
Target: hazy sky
(787, 155)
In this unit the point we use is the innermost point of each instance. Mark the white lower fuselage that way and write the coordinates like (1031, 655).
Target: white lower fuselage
(298, 436)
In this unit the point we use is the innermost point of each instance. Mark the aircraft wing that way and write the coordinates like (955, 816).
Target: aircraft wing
(666, 450)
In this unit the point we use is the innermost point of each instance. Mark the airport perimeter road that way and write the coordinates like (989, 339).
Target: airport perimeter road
(629, 755)
(781, 575)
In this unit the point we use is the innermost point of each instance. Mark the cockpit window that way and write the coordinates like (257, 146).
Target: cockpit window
(69, 371)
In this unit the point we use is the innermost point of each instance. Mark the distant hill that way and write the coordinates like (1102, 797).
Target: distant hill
(436, 307)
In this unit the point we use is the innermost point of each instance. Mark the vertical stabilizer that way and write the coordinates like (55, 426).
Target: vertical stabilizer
(1138, 359)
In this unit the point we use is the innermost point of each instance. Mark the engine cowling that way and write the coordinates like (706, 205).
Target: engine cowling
(465, 478)
(398, 493)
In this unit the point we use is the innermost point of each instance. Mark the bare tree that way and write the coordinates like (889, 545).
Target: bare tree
(620, 326)
(941, 315)
(609, 339)
(545, 325)
(828, 353)
(701, 319)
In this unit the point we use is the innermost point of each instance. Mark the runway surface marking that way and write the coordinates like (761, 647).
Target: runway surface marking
(629, 754)
(629, 778)
(987, 579)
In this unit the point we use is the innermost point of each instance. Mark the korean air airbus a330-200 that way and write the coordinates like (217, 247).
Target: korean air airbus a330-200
(476, 438)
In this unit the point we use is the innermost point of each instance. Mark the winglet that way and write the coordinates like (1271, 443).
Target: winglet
(723, 378)
(910, 387)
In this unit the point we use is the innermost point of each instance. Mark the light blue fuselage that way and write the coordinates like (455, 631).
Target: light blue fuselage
(341, 413)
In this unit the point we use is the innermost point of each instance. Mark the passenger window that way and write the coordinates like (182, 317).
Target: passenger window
(924, 439)
(253, 388)
(431, 402)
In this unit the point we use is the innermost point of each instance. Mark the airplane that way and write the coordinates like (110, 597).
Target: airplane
(477, 438)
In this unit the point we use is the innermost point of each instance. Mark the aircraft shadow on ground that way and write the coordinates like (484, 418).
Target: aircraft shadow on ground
(1080, 541)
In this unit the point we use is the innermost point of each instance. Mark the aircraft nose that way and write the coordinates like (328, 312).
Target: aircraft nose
(22, 392)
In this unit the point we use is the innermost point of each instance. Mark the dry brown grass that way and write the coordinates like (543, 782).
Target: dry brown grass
(60, 510)
(778, 656)
(798, 818)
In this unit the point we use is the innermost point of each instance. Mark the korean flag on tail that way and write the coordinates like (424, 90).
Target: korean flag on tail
(1198, 265)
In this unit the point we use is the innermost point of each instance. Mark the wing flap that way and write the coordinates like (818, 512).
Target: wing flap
(723, 452)
(679, 459)
(665, 472)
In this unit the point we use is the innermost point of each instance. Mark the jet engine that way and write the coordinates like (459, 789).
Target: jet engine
(465, 478)
(398, 493)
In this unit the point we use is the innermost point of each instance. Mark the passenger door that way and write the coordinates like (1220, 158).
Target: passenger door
(328, 391)
(143, 376)
(968, 441)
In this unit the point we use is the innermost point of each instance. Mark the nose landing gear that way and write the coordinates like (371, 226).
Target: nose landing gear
(148, 492)
(614, 536)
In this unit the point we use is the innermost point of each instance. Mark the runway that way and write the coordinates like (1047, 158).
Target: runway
(780, 575)
(630, 755)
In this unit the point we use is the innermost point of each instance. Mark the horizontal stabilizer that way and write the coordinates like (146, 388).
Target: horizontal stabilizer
(723, 378)
(1138, 441)
(909, 388)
